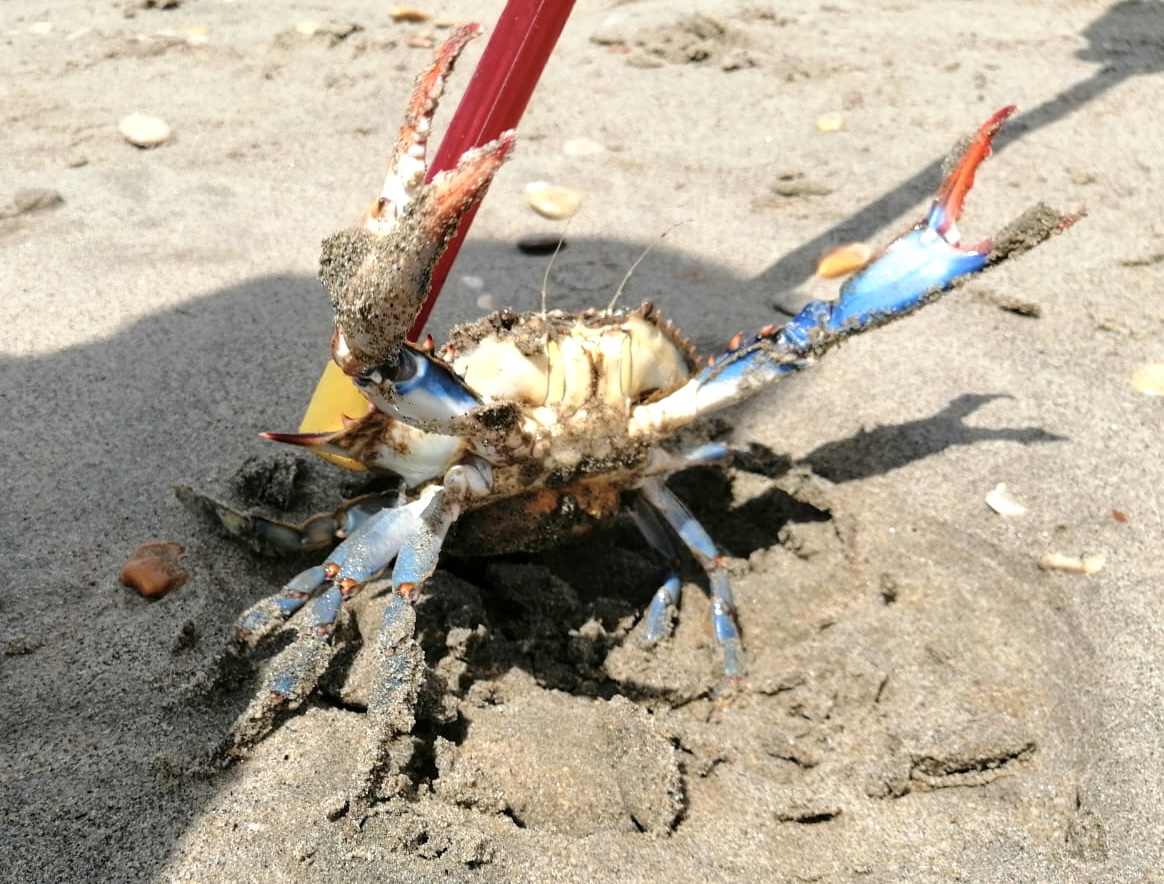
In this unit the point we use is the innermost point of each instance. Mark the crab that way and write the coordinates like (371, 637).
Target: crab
(524, 429)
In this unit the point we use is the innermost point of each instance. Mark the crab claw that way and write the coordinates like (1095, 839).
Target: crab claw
(378, 274)
(378, 282)
(947, 207)
(409, 163)
(913, 271)
(930, 257)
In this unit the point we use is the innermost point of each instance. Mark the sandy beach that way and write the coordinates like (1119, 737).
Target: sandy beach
(923, 703)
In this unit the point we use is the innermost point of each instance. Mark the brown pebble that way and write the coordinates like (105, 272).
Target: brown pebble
(541, 243)
(154, 569)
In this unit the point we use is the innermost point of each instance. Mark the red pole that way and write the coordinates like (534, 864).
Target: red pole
(494, 101)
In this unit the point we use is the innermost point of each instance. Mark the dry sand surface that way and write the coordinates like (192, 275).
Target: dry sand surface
(923, 702)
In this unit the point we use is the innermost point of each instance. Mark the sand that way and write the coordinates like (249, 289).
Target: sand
(923, 702)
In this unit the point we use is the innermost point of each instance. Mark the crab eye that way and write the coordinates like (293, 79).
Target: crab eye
(369, 377)
(403, 369)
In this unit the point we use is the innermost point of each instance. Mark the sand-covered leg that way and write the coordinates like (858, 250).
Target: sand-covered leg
(398, 658)
(292, 674)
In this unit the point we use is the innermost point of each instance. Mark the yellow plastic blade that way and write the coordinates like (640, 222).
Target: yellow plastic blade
(335, 396)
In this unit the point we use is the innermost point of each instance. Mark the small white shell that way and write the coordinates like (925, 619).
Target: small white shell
(999, 501)
(552, 200)
(143, 130)
(831, 122)
(1073, 564)
(1149, 379)
(582, 147)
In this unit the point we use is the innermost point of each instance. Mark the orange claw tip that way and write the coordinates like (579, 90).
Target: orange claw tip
(952, 194)
(317, 443)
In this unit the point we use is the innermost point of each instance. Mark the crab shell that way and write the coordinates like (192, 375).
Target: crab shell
(563, 387)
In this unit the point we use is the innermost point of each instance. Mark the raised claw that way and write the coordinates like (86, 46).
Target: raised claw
(378, 274)
(408, 163)
(928, 258)
(914, 270)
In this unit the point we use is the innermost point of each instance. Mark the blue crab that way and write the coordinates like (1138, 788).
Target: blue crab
(526, 428)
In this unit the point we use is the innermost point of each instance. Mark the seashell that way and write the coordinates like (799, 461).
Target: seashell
(583, 147)
(1073, 564)
(1003, 504)
(143, 130)
(830, 122)
(843, 260)
(1149, 379)
(552, 200)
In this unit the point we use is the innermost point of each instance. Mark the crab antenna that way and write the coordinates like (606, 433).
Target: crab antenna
(550, 264)
(638, 261)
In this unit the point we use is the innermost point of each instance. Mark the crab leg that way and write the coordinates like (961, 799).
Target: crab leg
(660, 612)
(400, 671)
(915, 270)
(412, 535)
(696, 539)
(265, 616)
(293, 673)
(665, 601)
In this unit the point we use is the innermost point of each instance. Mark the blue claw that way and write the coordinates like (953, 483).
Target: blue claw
(418, 389)
(913, 271)
(926, 260)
